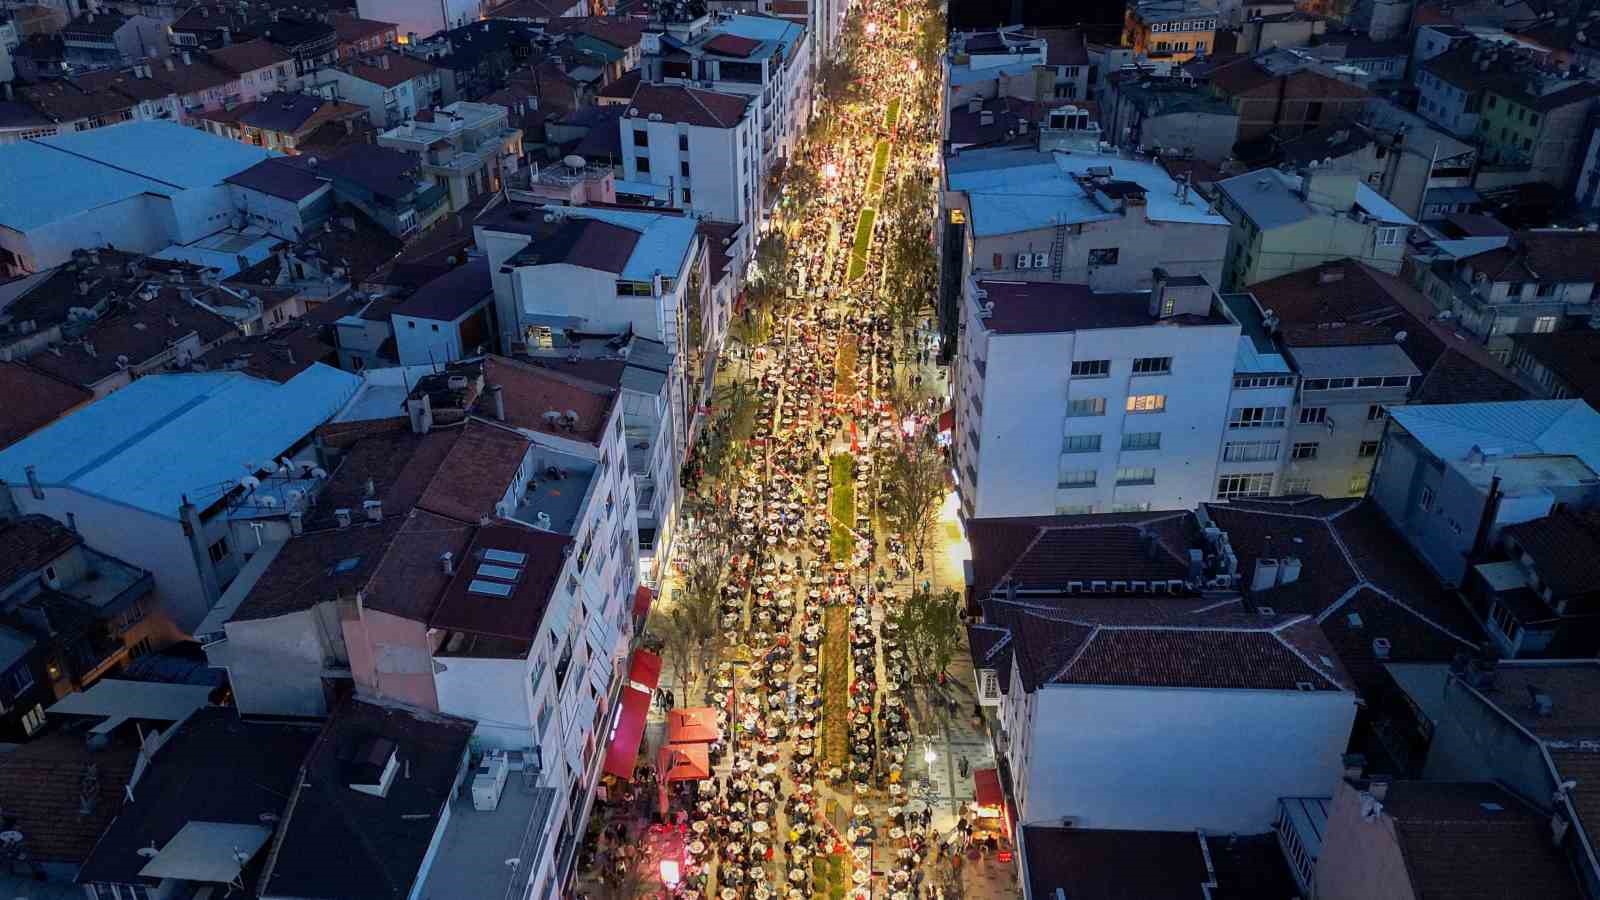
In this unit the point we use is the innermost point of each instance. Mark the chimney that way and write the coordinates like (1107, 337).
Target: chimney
(447, 562)
(1289, 570)
(1378, 787)
(420, 409)
(168, 63)
(1197, 564)
(986, 117)
(372, 488)
(497, 396)
(33, 482)
(200, 551)
(297, 522)
(1265, 576)
(187, 59)
(383, 62)
(373, 509)
(1491, 512)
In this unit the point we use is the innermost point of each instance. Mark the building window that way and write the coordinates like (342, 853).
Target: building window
(642, 164)
(1251, 451)
(1313, 415)
(18, 680)
(1375, 413)
(32, 721)
(1304, 450)
(1136, 475)
(1368, 450)
(683, 142)
(1088, 406)
(1358, 484)
(1388, 237)
(1141, 440)
(1426, 500)
(1231, 487)
(1105, 256)
(686, 196)
(1077, 478)
(1246, 382)
(683, 168)
(1506, 623)
(1152, 365)
(641, 138)
(1147, 403)
(1081, 443)
(1544, 324)
(1091, 368)
(1257, 417)
(219, 550)
(1293, 486)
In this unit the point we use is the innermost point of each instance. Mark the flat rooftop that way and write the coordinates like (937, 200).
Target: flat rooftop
(471, 860)
(1047, 307)
(558, 487)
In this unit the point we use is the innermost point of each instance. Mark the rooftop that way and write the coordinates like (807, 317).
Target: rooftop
(1475, 839)
(451, 295)
(383, 838)
(137, 446)
(1545, 255)
(133, 334)
(1482, 439)
(477, 843)
(213, 769)
(1014, 189)
(1274, 199)
(1101, 864)
(1048, 552)
(1573, 356)
(1045, 307)
(34, 400)
(62, 794)
(278, 178)
(86, 170)
(1357, 578)
(690, 106)
(663, 244)
(531, 392)
(501, 588)
(1565, 549)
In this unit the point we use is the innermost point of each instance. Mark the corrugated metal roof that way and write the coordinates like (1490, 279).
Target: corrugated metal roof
(1522, 427)
(1353, 361)
(166, 436)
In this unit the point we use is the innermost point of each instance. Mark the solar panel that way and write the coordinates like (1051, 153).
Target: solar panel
(505, 573)
(491, 588)
(505, 556)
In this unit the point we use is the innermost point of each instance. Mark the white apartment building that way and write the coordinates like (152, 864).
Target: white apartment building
(1092, 219)
(1265, 730)
(593, 271)
(698, 145)
(393, 86)
(1073, 401)
(757, 56)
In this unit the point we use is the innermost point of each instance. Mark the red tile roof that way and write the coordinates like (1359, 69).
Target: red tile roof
(28, 543)
(34, 400)
(1046, 552)
(731, 45)
(249, 56)
(518, 615)
(476, 473)
(44, 783)
(1565, 547)
(389, 68)
(531, 391)
(690, 106)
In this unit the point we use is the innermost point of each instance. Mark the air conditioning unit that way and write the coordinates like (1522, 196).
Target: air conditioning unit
(1041, 260)
(1024, 260)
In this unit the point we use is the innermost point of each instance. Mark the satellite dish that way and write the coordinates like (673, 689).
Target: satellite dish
(148, 852)
(575, 161)
(10, 837)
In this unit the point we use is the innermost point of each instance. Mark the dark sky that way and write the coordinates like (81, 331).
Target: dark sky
(989, 13)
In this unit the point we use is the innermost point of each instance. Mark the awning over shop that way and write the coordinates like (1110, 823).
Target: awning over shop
(645, 673)
(987, 788)
(642, 598)
(684, 762)
(947, 420)
(695, 725)
(624, 749)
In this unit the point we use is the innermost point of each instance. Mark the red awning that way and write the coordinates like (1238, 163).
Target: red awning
(683, 762)
(624, 747)
(947, 420)
(697, 725)
(987, 783)
(645, 673)
(642, 598)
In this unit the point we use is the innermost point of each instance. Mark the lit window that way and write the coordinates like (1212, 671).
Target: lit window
(1147, 403)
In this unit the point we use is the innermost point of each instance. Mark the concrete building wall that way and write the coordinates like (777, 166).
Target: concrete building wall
(1023, 419)
(493, 692)
(1338, 469)
(1134, 754)
(1208, 137)
(1360, 859)
(719, 161)
(390, 656)
(276, 665)
(1180, 249)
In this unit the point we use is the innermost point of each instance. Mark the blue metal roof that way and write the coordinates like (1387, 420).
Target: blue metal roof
(1521, 427)
(763, 28)
(48, 179)
(166, 436)
(664, 241)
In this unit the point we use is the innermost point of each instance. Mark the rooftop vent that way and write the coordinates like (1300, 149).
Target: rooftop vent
(1381, 647)
(370, 765)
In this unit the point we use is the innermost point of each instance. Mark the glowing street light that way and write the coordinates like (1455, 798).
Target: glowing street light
(830, 171)
(928, 756)
(669, 872)
(872, 28)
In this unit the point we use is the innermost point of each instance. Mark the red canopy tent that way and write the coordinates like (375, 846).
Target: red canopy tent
(990, 798)
(645, 672)
(642, 598)
(693, 725)
(624, 748)
(681, 762)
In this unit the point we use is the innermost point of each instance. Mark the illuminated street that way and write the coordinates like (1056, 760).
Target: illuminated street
(810, 750)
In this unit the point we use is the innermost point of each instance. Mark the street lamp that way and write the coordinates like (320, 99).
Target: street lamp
(928, 756)
(669, 873)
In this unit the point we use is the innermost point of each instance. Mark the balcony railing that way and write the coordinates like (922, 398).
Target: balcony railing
(565, 176)
(430, 199)
(1534, 306)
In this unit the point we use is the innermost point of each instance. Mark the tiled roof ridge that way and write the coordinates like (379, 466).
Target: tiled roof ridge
(1001, 644)
(1362, 581)
(695, 96)
(1277, 633)
(1041, 530)
(565, 377)
(1077, 655)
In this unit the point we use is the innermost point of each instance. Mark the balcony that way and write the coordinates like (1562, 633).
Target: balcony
(1534, 306)
(429, 200)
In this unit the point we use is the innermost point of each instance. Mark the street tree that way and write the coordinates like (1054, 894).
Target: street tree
(913, 486)
(930, 631)
(626, 873)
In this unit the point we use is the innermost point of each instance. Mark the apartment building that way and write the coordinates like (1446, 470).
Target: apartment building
(1537, 122)
(1080, 218)
(1283, 97)
(1127, 415)
(1162, 115)
(1284, 223)
(757, 56)
(393, 86)
(1537, 280)
(699, 146)
(468, 146)
(1173, 29)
